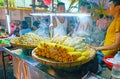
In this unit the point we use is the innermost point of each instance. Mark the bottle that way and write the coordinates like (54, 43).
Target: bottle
(116, 66)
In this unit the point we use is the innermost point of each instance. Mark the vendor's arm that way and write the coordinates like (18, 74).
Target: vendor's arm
(115, 45)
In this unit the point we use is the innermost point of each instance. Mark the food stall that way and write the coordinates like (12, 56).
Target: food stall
(30, 68)
(56, 56)
(39, 71)
(30, 65)
(39, 66)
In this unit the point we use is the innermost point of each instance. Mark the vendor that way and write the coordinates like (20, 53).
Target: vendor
(112, 39)
(60, 22)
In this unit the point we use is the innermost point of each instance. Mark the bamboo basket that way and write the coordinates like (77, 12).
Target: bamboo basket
(23, 46)
(19, 45)
(62, 65)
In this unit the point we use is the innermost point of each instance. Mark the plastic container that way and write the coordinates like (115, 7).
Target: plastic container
(116, 66)
(108, 63)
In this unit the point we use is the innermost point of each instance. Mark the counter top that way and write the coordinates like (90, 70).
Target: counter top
(52, 73)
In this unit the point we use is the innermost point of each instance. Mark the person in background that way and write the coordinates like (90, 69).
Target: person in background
(36, 25)
(100, 30)
(112, 39)
(16, 32)
(24, 28)
(85, 21)
(109, 19)
(84, 28)
(41, 29)
(59, 22)
(12, 29)
(2, 30)
(102, 22)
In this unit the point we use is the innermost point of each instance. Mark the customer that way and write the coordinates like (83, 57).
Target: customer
(60, 22)
(24, 28)
(112, 39)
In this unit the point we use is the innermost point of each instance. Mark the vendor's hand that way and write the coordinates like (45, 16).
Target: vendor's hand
(95, 48)
(90, 46)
